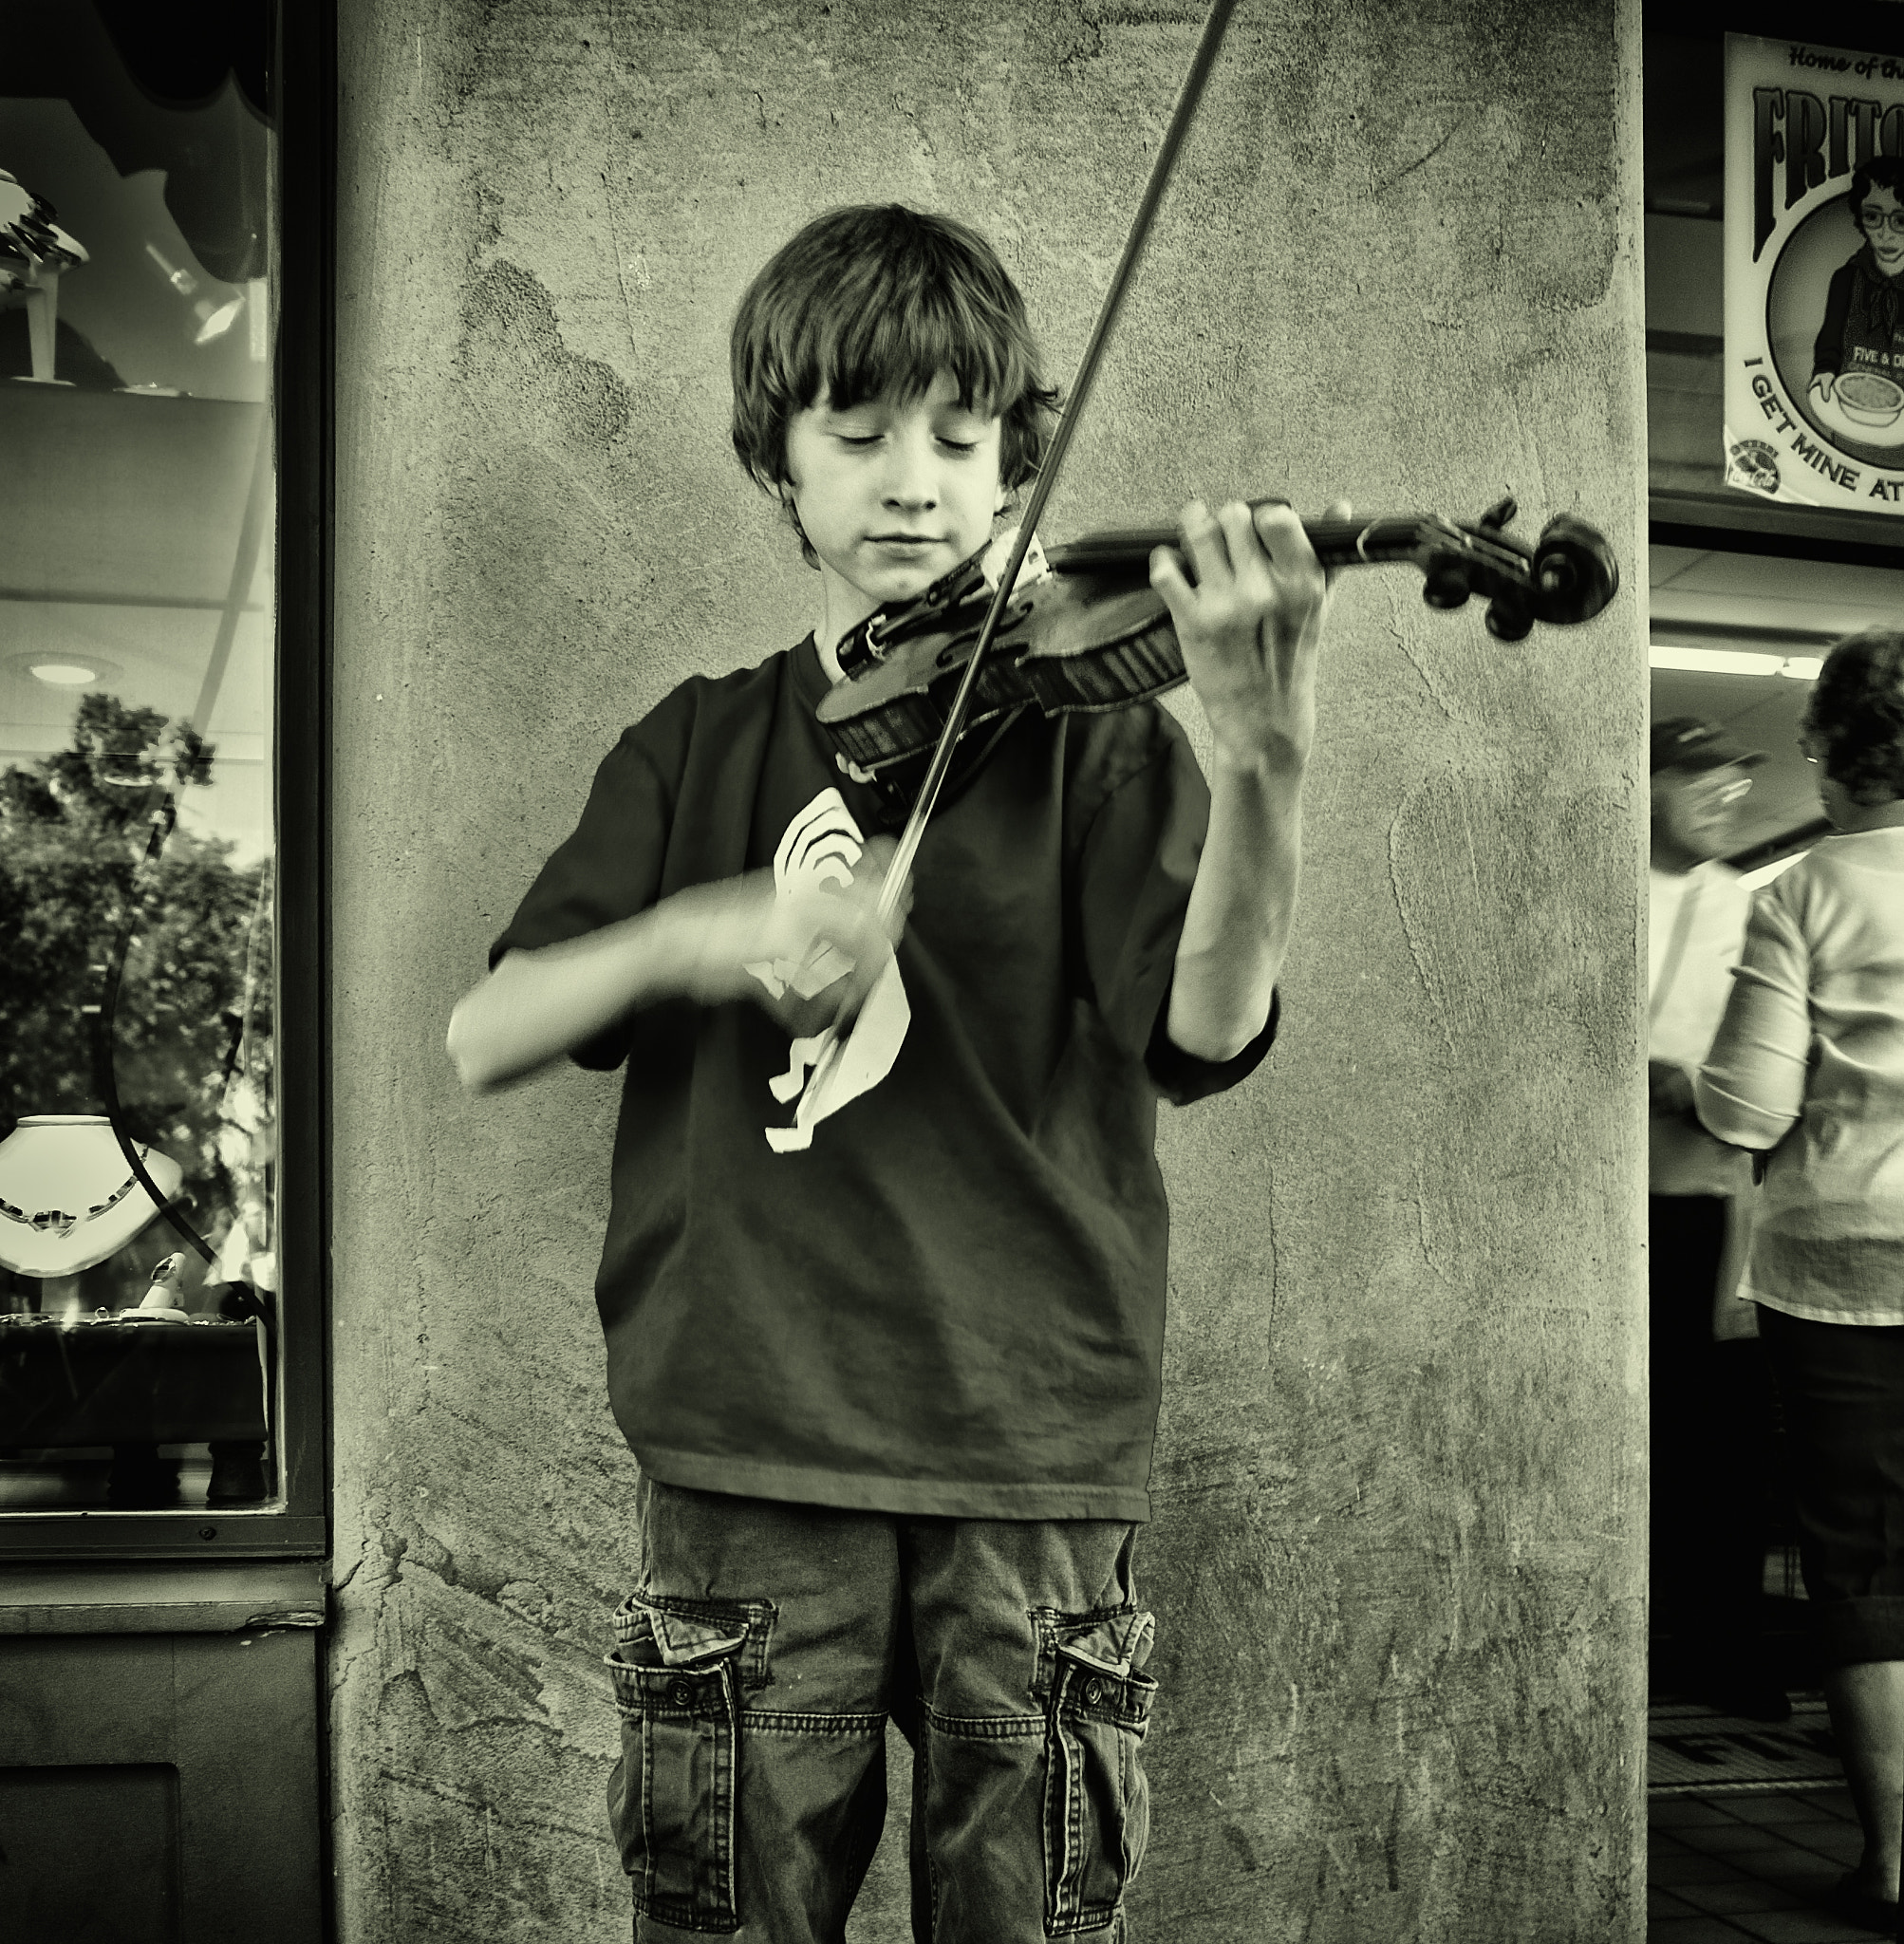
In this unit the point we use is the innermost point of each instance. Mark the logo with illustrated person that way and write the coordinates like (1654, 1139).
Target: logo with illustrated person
(822, 847)
(1813, 248)
(1857, 358)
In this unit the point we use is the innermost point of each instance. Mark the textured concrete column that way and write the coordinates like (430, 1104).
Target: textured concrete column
(1398, 1557)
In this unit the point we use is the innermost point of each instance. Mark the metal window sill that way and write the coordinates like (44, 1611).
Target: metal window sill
(215, 1598)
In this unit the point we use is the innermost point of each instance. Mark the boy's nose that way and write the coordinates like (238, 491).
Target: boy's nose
(910, 479)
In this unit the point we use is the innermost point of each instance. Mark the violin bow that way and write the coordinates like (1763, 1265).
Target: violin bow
(1139, 233)
(893, 890)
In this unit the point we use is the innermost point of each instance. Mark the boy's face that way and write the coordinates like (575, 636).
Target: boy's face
(892, 493)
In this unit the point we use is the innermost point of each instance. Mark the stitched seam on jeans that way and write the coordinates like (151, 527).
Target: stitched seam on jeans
(811, 1722)
(650, 1875)
(1073, 1783)
(680, 1918)
(1053, 1865)
(1059, 1754)
(726, 1761)
(983, 1727)
(1098, 1917)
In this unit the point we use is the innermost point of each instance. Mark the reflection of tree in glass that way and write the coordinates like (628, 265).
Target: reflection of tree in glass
(191, 1030)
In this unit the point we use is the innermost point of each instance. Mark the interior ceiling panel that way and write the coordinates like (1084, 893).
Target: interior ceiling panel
(105, 494)
(1810, 598)
(152, 656)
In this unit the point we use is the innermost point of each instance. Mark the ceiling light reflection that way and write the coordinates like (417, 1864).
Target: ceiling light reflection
(1735, 661)
(60, 667)
(215, 324)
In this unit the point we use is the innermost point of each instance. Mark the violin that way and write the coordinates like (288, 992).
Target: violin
(1084, 629)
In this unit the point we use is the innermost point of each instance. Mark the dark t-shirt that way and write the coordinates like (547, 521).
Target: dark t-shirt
(945, 1296)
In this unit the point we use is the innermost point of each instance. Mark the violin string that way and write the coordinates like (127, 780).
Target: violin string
(1188, 97)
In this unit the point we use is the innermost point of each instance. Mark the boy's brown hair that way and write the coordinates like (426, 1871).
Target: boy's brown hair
(875, 299)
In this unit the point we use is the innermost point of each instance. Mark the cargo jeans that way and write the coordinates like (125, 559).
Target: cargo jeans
(755, 1669)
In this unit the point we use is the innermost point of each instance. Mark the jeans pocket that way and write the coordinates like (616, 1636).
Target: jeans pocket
(673, 1795)
(1097, 1801)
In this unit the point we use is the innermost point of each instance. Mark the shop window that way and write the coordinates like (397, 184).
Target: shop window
(1746, 591)
(156, 1366)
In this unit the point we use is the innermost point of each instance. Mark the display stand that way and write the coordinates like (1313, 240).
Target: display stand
(40, 294)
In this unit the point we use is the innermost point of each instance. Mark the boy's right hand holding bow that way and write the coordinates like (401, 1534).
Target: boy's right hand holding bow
(807, 953)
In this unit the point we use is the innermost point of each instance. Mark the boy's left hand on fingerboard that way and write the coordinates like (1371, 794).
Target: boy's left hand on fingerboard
(1250, 624)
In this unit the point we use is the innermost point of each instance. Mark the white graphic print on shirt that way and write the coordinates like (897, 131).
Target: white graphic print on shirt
(821, 845)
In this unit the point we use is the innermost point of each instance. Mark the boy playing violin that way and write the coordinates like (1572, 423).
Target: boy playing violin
(885, 1331)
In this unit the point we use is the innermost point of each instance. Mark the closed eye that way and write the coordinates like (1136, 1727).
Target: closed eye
(860, 442)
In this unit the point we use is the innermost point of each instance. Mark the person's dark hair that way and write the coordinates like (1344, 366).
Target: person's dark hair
(1856, 713)
(880, 298)
(1880, 172)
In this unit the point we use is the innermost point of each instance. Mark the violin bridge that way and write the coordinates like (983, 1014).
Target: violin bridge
(1034, 567)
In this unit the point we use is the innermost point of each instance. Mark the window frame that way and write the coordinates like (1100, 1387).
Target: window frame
(302, 391)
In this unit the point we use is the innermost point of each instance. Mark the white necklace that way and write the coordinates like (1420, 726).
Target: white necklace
(52, 1164)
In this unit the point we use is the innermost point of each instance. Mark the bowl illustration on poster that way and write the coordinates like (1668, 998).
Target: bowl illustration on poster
(1861, 417)
(1867, 398)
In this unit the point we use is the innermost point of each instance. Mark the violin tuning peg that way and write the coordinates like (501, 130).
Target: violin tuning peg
(1508, 622)
(1446, 587)
(1499, 515)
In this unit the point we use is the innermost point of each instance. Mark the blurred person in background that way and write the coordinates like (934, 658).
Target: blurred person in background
(1710, 1395)
(1807, 1070)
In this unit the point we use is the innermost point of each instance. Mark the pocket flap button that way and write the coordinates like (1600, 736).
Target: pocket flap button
(1094, 1691)
(680, 1692)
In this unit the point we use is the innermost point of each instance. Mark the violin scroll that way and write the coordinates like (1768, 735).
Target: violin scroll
(1575, 574)
(1568, 577)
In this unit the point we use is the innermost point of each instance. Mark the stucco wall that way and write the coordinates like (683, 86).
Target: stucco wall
(1398, 1555)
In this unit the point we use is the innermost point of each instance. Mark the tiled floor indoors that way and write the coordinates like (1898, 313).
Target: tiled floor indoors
(1732, 1866)
(1727, 1868)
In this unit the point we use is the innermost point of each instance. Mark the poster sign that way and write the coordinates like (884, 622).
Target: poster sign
(1815, 274)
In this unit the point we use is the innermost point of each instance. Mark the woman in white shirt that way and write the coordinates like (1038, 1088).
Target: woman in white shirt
(1808, 1070)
